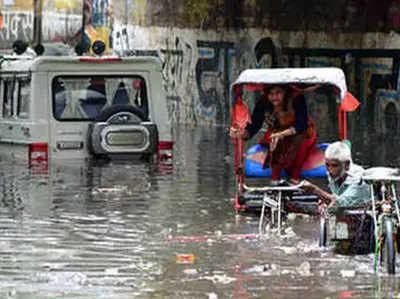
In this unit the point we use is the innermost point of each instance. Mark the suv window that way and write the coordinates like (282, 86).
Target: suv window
(24, 97)
(8, 96)
(15, 93)
(84, 97)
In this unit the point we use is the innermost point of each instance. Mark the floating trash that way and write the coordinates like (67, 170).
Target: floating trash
(182, 258)
(304, 269)
(190, 271)
(212, 296)
(113, 189)
(348, 273)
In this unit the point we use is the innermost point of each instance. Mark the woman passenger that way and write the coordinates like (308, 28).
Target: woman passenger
(290, 132)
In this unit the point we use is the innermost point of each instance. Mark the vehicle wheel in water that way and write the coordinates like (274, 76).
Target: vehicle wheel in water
(322, 232)
(117, 114)
(388, 254)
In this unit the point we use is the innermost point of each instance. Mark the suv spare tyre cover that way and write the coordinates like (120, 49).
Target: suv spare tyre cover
(137, 118)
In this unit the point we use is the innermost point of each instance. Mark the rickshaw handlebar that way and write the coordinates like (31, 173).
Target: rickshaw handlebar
(371, 180)
(275, 188)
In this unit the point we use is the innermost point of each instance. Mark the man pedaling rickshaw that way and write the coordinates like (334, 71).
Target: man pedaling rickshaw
(348, 192)
(344, 179)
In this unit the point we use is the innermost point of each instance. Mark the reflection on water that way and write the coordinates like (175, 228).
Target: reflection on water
(126, 230)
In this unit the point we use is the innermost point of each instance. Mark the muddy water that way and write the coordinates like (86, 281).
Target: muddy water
(139, 230)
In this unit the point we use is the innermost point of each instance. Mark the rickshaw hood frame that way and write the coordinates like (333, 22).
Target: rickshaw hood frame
(329, 75)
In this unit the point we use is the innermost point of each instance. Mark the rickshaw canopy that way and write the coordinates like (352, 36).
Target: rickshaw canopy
(310, 76)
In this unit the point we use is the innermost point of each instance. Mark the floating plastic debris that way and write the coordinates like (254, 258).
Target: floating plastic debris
(346, 294)
(289, 233)
(185, 258)
(190, 271)
(209, 238)
(288, 250)
(304, 269)
(212, 296)
(220, 279)
(348, 273)
(113, 189)
(112, 271)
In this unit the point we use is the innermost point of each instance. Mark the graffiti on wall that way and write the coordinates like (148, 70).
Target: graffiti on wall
(213, 78)
(196, 77)
(97, 23)
(178, 77)
(177, 56)
(16, 25)
(372, 75)
(58, 22)
(16, 21)
(265, 53)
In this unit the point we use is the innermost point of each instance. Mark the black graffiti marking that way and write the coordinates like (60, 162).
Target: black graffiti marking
(213, 78)
(265, 46)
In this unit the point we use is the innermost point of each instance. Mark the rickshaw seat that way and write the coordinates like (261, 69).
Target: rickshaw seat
(314, 166)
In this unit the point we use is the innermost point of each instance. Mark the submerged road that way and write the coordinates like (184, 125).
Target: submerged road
(138, 230)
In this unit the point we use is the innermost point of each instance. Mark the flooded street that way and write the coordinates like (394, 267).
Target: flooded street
(138, 230)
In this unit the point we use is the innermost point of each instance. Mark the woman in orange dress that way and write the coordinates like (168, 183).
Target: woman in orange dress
(290, 132)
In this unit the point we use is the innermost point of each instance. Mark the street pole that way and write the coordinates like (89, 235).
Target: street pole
(37, 22)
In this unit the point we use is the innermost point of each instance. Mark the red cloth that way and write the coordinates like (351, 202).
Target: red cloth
(292, 151)
(302, 154)
(240, 115)
(349, 103)
(294, 168)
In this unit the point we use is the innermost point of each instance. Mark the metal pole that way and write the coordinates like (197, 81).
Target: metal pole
(279, 211)
(37, 21)
(374, 210)
(126, 13)
(262, 214)
(395, 202)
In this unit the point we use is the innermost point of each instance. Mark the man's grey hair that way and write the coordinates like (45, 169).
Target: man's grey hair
(339, 151)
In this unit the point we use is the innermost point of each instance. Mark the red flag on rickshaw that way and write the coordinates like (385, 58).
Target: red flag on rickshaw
(349, 103)
(240, 115)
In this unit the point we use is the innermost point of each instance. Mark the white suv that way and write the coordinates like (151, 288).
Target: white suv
(77, 107)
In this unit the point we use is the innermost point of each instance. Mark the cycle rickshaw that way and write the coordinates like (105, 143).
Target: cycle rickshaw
(327, 99)
(377, 225)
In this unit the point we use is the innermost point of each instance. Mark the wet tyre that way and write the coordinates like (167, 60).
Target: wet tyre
(388, 253)
(122, 114)
(322, 232)
(121, 131)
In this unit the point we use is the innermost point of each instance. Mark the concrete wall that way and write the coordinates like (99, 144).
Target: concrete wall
(204, 45)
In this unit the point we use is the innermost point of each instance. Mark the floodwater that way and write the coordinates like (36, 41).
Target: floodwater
(142, 230)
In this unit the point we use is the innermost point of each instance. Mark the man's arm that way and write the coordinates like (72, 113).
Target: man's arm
(325, 197)
(355, 194)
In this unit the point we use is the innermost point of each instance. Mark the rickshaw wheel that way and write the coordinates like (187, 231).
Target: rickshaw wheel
(322, 232)
(387, 246)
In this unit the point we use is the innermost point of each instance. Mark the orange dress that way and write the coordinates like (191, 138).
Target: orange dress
(291, 151)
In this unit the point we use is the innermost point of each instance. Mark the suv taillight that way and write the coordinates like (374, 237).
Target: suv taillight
(38, 152)
(165, 150)
(164, 156)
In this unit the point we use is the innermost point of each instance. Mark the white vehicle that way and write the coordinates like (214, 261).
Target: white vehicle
(78, 107)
